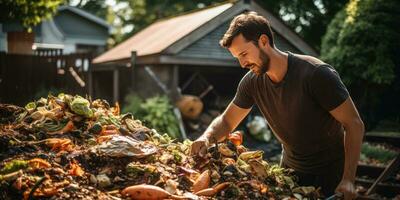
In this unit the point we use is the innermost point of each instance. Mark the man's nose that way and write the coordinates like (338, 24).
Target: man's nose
(242, 64)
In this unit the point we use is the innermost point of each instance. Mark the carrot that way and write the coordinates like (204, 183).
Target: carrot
(202, 182)
(109, 132)
(67, 128)
(145, 192)
(222, 186)
(236, 138)
(214, 190)
(103, 138)
(61, 144)
(110, 127)
(116, 109)
(38, 163)
(76, 170)
(207, 192)
(148, 192)
(48, 192)
(18, 183)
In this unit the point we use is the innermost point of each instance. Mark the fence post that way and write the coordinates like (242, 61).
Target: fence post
(116, 84)
(2, 66)
(90, 80)
(133, 76)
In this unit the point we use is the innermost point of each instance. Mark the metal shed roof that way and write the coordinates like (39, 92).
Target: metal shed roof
(162, 41)
(160, 35)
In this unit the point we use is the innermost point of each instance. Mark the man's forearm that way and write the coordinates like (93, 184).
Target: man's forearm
(352, 142)
(217, 130)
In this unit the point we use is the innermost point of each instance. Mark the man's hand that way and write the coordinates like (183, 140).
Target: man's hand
(199, 147)
(219, 128)
(346, 113)
(346, 187)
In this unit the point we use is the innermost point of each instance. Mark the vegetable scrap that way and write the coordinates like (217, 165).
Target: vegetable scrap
(70, 147)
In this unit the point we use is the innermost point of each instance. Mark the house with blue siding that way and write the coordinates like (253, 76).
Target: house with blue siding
(71, 30)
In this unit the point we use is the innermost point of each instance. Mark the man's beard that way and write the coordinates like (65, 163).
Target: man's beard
(264, 67)
(264, 62)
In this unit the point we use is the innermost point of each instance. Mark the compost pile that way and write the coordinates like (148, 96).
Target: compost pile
(69, 147)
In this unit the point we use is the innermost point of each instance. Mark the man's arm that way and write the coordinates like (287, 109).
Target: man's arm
(220, 127)
(347, 115)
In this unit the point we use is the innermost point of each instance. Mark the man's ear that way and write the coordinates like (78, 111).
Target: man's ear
(263, 40)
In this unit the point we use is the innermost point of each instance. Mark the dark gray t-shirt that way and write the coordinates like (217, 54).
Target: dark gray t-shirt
(297, 110)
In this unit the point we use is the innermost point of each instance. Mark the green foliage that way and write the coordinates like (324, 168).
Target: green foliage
(384, 134)
(13, 166)
(28, 13)
(308, 18)
(362, 42)
(330, 40)
(156, 112)
(362, 39)
(96, 7)
(377, 152)
(160, 116)
(132, 104)
(81, 106)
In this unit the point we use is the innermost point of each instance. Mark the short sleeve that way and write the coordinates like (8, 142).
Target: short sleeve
(327, 88)
(243, 98)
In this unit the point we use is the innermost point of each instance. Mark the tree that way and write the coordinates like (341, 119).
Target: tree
(96, 7)
(363, 43)
(28, 13)
(309, 18)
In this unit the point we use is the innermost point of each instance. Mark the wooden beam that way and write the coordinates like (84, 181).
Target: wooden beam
(90, 82)
(175, 90)
(133, 71)
(108, 66)
(168, 59)
(116, 85)
(186, 84)
(199, 61)
(393, 165)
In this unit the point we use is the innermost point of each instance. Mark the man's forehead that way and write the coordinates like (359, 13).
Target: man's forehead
(239, 40)
(239, 44)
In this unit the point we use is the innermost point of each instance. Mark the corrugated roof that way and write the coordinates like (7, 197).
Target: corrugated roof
(160, 35)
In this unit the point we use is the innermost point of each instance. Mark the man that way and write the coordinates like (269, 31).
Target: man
(304, 101)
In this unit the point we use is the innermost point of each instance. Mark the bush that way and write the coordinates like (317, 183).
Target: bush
(132, 105)
(160, 115)
(362, 42)
(156, 112)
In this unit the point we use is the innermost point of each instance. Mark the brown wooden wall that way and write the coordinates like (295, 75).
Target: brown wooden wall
(20, 42)
(24, 78)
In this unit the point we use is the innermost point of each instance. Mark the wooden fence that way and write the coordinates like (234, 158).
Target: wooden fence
(26, 77)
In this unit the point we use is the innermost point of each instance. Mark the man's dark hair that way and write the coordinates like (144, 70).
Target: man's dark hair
(251, 26)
